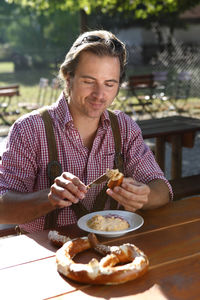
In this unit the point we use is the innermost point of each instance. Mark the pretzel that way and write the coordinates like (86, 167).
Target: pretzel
(106, 271)
(115, 178)
(57, 239)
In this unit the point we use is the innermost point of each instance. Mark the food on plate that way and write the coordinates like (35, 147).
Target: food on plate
(121, 263)
(107, 223)
(115, 178)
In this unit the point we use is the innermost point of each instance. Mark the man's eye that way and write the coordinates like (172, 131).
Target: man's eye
(88, 82)
(109, 84)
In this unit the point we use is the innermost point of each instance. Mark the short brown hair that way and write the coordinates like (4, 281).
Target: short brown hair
(99, 42)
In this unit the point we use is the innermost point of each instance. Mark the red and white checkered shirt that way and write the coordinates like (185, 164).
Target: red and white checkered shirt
(24, 163)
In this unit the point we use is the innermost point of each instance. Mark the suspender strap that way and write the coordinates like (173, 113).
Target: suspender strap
(54, 168)
(118, 164)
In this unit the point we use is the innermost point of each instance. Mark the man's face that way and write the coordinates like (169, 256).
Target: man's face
(94, 85)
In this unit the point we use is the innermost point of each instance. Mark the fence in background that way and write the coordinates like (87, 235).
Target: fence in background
(178, 58)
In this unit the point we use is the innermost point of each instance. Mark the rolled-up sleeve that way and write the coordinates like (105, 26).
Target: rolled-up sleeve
(18, 167)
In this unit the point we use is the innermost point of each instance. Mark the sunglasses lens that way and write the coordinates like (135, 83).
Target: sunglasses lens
(118, 46)
(94, 38)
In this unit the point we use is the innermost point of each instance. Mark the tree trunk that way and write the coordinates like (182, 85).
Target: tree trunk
(83, 21)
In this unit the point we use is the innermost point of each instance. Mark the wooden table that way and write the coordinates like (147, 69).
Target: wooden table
(178, 130)
(169, 237)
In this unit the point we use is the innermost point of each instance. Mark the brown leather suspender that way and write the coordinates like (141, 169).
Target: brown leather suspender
(54, 169)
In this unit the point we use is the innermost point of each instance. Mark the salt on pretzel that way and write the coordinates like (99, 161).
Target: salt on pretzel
(107, 270)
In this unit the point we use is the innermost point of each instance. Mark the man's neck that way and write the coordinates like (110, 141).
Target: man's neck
(87, 128)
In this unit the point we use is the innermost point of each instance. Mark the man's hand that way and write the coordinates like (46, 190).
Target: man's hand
(66, 190)
(135, 195)
(131, 194)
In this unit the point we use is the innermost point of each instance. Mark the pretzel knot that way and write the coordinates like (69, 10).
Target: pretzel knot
(121, 263)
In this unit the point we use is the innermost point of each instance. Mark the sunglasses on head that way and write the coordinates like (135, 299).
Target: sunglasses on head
(94, 38)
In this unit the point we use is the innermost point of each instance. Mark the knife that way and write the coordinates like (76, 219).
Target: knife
(99, 180)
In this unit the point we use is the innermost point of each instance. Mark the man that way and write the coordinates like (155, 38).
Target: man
(92, 71)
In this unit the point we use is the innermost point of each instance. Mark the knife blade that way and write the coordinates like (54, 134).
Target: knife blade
(99, 180)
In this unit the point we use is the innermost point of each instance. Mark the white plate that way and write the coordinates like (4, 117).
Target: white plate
(135, 221)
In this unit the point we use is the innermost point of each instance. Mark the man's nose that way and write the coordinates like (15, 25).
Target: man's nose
(98, 91)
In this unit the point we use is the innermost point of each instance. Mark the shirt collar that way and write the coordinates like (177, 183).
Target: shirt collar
(61, 111)
(105, 120)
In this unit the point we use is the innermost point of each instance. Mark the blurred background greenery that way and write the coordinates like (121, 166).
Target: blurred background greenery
(35, 36)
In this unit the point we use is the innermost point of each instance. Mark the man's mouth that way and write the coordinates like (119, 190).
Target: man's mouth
(96, 104)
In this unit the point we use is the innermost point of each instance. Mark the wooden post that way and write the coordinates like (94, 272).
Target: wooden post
(176, 156)
(83, 21)
(160, 152)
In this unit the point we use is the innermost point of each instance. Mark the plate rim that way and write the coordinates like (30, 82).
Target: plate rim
(109, 233)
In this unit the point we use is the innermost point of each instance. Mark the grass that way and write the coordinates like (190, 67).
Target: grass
(29, 89)
(6, 67)
(28, 81)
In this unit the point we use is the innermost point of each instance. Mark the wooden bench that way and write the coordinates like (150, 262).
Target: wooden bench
(6, 94)
(186, 186)
(9, 91)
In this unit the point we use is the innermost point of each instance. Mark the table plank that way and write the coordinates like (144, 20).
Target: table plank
(165, 247)
(169, 237)
(35, 280)
(174, 213)
(177, 280)
(32, 246)
(167, 244)
(21, 249)
(168, 126)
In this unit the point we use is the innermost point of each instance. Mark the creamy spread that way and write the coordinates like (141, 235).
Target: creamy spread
(107, 223)
(113, 174)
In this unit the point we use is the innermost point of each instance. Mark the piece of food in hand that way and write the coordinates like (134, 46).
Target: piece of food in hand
(115, 178)
(108, 222)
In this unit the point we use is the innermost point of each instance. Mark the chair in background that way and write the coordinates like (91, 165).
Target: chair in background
(142, 88)
(183, 85)
(163, 90)
(55, 89)
(43, 87)
(180, 90)
(41, 97)
(161, 82)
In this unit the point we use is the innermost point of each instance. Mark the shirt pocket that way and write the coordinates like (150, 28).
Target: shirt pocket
(108, 160)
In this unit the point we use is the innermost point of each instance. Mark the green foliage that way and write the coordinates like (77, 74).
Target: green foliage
(44, 29)
(139, 8)
(42, 37)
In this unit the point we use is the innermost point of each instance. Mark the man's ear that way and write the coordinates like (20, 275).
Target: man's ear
(68, 78)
